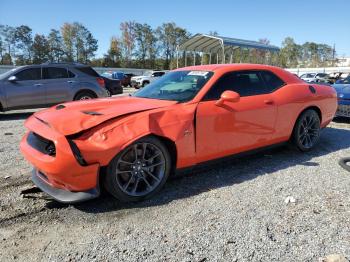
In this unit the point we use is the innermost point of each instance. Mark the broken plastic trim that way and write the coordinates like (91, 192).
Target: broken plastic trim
(77, 153)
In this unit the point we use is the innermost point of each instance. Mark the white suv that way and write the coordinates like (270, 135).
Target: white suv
(315, 77)
(148, 77)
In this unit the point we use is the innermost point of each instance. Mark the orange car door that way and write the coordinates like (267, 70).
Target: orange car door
(235, 126)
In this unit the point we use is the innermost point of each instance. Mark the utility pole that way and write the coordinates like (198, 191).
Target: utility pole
(333, 60)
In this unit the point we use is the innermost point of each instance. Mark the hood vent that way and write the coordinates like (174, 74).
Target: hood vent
(91, 113)
(59, 107)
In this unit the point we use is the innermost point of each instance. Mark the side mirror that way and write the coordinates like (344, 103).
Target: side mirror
(12, 79)
(228, 96)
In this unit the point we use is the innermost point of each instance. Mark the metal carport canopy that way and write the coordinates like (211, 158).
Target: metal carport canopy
(207, 43)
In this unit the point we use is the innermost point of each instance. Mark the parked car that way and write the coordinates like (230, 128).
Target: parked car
(113, 85)
(43, 85)
(148, 77)
(316, 78)
(190, 116)
(335, 76)
(114, 75)
(343, 92)
(127, 79)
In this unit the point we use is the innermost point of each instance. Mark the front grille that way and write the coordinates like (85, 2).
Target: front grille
(41, 144)
(343, 110)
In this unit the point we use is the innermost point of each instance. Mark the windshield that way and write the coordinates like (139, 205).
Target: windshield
(106, 74)
(179, 86)
(148, 73)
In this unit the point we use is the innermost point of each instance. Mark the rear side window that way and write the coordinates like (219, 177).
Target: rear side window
(70, 74)
(54, 73)
(88, 71)
(29, 74)
(271, 80)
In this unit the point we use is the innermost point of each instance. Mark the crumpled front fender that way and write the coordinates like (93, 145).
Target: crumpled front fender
(104, 142)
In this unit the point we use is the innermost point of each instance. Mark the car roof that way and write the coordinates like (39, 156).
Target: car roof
(224, 68)
(217, 67)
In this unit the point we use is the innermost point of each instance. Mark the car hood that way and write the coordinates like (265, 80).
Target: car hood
(343, 90)
(73, 117)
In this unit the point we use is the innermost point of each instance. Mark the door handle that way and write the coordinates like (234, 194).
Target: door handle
(71, 82)
(38, 84)
(268, 102)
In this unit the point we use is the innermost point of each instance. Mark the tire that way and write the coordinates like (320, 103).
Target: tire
(84, 95)
(306, 132)
(131, 178)
(145, 83)
(345, 163)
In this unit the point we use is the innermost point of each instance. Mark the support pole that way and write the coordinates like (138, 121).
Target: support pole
(210, 58)
(194, 58)
(223, 54)
(177, 57)
(240, 55)
(185, 58)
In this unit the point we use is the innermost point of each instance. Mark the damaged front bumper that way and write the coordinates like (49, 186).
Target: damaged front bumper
(58, 169)
(61, 195)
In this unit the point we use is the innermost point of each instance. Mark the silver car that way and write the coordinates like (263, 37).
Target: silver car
(48, 84)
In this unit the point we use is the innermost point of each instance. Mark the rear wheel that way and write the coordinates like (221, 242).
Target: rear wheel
(144, 83)
(139, 171)
(306, 132)
(84, 96)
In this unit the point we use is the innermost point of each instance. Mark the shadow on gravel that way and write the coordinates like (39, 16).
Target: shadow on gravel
(225, 173)
(15, 116)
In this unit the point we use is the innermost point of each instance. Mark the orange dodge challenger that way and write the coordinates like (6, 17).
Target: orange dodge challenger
(191, 115)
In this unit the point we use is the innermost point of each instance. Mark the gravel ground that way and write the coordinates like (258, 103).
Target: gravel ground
(232, 211)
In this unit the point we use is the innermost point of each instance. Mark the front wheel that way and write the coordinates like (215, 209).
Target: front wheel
(139, 171)
(306, 132)
(84, 96)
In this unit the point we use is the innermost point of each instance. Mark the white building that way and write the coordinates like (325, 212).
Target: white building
(343, 61)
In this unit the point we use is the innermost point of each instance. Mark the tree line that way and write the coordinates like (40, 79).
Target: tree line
(139, 46)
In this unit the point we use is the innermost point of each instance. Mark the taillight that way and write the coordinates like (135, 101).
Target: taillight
(101, 82)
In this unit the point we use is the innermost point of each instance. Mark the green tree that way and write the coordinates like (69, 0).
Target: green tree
(145, 45)
(127, 41)
(8, 34)
(55, 42)
(6, 59)
(114, 53)
(290, 53)
(41, 49)
(79, 43)
(2, 50)
(170, 36)
(68, 32)
(24, 42)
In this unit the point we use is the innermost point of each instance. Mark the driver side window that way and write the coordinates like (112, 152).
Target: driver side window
(29, 74)
(245, 83)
